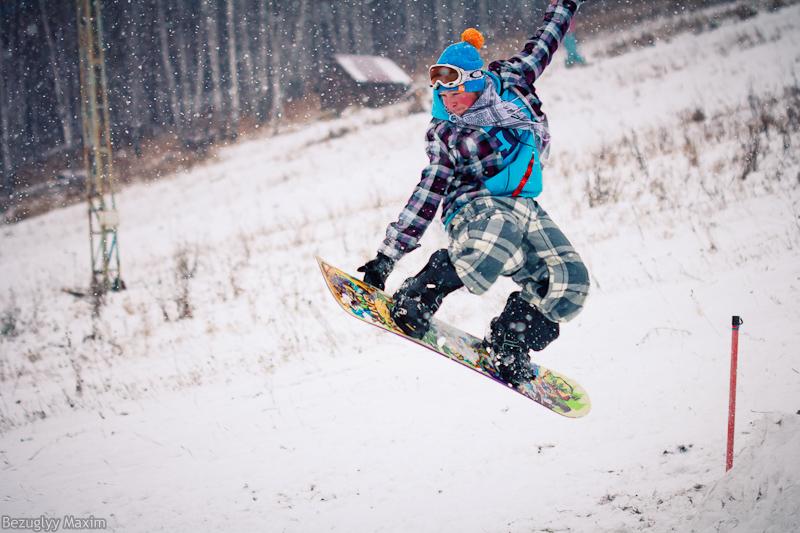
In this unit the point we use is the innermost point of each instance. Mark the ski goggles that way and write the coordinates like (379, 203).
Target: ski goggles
(451, 76)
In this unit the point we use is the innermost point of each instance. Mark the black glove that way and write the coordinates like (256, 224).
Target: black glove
(377, 270)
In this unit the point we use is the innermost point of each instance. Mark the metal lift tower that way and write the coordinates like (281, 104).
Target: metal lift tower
(97, 154)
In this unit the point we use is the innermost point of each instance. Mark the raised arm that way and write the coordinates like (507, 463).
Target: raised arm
(528, 65)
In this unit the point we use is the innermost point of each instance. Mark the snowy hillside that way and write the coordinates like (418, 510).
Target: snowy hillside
(225, 390)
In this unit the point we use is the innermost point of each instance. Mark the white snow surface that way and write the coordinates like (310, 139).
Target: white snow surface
(269, 409)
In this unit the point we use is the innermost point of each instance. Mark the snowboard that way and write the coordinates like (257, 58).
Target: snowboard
(554, 391)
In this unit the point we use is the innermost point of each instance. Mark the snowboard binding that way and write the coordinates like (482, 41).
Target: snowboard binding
(518, 329)
(419, 297)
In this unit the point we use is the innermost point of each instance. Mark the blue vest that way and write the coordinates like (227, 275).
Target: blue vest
(521, 174)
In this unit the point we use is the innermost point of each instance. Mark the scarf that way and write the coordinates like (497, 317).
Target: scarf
(490, 110)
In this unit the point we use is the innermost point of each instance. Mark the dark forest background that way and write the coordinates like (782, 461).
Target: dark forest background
(189, 74)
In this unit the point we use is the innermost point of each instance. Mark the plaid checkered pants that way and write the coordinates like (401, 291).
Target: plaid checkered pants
(498, 236)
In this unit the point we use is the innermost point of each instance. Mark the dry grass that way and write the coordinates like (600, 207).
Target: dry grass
(700, 164)
(185, 270)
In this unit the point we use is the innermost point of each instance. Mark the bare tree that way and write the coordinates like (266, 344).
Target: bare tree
(249, 65)
(276, 107)
(456, 18)
(483, 14)
(209, 12)
(441, 17)
(233, 66)
(298, 52)
(5, 153)
(410, 21)
(263, 58)
(169, 71)
(185, 78)
(200, 80)
(137, 108)
(19, 102)
(342, 25)
(357, 30)
(62, 102)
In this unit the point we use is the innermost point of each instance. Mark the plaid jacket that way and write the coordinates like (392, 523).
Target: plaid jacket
(462, 157)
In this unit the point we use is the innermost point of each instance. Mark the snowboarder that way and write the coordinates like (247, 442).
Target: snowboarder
(574, 57)
(486, 142)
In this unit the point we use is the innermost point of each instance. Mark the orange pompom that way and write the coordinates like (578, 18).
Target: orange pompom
(473, 37)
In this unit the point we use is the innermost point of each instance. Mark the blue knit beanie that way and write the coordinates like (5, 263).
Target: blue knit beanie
(465, 55)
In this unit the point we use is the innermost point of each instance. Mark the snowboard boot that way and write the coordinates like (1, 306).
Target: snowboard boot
(419, 297)
(519, 328)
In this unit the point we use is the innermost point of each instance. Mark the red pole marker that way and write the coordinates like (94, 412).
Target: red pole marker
(736, 322)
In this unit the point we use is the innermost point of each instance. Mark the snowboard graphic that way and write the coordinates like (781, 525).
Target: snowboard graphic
(550, 389)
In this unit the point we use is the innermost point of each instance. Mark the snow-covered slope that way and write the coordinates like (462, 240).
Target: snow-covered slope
(762, 494)
(675, 172)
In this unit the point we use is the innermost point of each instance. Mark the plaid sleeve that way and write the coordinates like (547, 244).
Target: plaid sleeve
(528, 65)
(403, 236)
